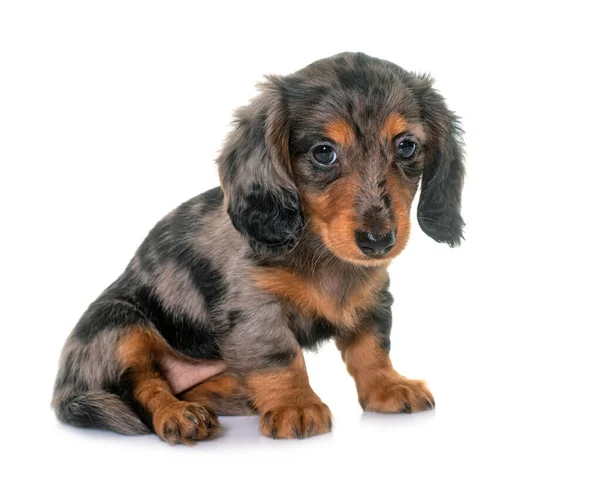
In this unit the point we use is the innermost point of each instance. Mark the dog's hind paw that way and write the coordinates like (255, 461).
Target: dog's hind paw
(185, 423)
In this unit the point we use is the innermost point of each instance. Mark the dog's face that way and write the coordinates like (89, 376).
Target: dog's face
(339, 148)
(357, 154)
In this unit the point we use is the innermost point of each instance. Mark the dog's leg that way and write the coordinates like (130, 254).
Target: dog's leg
(173, 420)
(224, 394)
(288, 406)
(380, 388)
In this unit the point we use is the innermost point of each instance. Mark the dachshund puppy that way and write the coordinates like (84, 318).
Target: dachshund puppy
(210, 316)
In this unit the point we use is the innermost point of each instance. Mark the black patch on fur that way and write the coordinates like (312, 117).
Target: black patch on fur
(207, 280)
(270, 218)
(170, 244)
(182, 333)
(381, 318)
(320, 332)
(106, 314)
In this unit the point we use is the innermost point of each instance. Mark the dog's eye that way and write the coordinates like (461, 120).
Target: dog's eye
(406, 149)
(324, 154)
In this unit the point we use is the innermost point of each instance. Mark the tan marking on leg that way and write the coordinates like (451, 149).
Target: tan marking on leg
(380, 388)
(288, 406)
(173, 420)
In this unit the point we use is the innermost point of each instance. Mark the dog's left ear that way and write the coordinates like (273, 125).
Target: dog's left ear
(439, 207)
(255, 171)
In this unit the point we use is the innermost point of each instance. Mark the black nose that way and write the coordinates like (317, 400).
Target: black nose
(371, 244)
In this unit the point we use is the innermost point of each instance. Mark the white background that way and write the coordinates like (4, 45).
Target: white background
(111, 114)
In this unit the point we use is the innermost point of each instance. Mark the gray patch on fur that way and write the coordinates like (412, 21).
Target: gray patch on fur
(175, 288)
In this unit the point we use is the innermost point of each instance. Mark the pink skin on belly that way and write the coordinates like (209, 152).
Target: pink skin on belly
(182, 374)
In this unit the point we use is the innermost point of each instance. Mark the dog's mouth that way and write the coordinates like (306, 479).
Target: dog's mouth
(373, 260)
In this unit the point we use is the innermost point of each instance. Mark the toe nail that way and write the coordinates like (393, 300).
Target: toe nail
(428, 403)
(330, 425)
(274, 433)
(407, 408)
(362, 404)
(298, 434)
(192, 418)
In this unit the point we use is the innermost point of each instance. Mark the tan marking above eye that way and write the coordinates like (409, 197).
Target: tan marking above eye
(340, 132)
(393, 126)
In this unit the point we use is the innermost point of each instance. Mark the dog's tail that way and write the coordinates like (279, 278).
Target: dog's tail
(98, 409)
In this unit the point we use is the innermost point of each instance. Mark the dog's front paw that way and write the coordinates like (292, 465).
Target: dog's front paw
(396, 395)
(296, 421)
(184, 423)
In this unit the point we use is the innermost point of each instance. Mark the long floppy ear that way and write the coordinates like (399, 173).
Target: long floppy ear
(255, 171)
(439, 207)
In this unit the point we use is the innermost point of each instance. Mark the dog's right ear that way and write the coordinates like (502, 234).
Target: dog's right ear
(255, 171)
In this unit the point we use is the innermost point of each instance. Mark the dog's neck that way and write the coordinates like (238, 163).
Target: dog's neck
(320, 283)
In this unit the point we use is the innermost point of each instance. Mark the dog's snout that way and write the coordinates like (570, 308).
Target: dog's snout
(372, 244)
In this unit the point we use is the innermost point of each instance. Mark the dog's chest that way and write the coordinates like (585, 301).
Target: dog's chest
(333, 301)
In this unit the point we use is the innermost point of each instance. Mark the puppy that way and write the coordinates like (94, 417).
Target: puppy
(210, 316)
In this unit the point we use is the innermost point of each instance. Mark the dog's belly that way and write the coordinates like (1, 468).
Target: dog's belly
(183, 374)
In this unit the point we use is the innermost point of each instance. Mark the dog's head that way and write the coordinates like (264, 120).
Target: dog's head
(339, 148)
